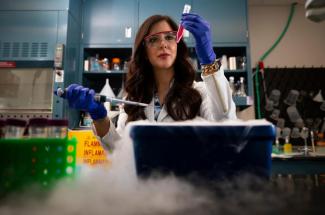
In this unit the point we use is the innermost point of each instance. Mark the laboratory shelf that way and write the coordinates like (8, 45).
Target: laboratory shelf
(243, 100)
(108, 73)
(227, 71)
(113, 72)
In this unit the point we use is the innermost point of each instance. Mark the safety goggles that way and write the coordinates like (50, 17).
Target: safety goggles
(154, 40)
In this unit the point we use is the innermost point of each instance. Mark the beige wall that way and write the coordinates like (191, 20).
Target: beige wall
(303, 45)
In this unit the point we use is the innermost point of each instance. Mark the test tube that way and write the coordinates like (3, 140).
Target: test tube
(15, 128)
(57, 128)
(180, 31)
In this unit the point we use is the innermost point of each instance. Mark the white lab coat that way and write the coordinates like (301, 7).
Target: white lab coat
(217, 105)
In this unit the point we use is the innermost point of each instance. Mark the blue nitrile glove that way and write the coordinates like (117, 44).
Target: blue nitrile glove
(200, 29)
(82, 98)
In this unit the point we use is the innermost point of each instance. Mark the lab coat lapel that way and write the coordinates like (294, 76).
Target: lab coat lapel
(149, 111)
(163, 114)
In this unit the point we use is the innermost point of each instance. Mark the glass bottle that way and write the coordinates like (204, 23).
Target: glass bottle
(242, 86)
(224, 61)
(232, 84)
(125, 66)
(304, 135)
(116, 63)
(105, 64)
(94, 64)
(287, 147)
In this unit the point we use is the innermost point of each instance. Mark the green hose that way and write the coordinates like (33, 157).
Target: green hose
(258, 102)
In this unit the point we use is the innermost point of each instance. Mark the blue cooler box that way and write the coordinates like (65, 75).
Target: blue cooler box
(208, 150)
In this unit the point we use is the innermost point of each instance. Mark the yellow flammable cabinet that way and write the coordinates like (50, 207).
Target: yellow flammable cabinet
(89, 149)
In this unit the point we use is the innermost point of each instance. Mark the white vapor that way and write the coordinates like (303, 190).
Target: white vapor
(117, 191)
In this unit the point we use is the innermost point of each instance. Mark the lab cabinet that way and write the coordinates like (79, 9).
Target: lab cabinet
(228, 19)
(35, 5)
(240, 53)
(109, 23)
(97, 79)
(30, 31)
(242, 92)
(28, 35)
(171, 8)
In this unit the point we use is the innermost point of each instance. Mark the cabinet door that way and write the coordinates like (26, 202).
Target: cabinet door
(106, 22)
(171, 8)
(163, 7)
(34, 5)
(28, 35)
(228, 19)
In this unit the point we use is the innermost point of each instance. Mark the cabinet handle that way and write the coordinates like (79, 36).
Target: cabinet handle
(128, 32)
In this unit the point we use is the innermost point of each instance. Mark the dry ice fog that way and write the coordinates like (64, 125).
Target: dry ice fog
(118, 191)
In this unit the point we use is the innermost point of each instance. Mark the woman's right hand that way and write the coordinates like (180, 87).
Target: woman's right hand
(82, 98)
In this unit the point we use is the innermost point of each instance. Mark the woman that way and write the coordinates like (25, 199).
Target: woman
(161, 75)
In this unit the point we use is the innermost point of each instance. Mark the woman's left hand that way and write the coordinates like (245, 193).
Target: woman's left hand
(200, 29)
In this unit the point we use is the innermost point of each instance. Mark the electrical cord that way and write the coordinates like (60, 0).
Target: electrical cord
(258, 101)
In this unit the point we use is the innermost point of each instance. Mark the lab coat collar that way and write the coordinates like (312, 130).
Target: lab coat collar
(163, 114)
(149, 111)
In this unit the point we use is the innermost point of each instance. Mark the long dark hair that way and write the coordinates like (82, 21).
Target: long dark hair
(182, 100)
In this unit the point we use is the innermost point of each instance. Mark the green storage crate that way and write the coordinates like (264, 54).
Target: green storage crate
(40, 161)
